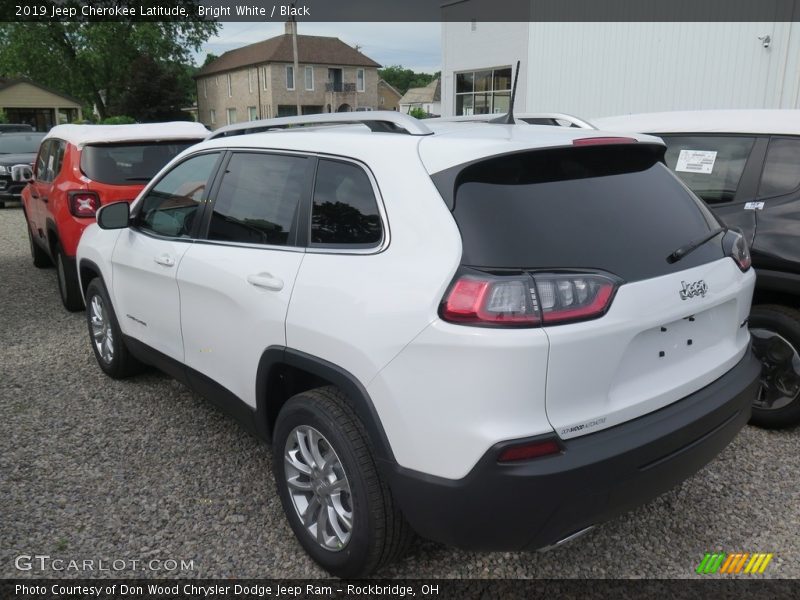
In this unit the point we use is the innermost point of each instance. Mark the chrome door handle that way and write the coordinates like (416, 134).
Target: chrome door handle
(166, 260)
(266, 281)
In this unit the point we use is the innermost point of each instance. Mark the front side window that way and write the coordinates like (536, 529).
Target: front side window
(345, 211)
(258, 199)
(360, 80)
(171, 205)
(781, 168)
(289, 78)
(131, 163)
(483, 92)
(711, 166)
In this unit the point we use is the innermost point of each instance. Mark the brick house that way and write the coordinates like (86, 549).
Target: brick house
(258, 81)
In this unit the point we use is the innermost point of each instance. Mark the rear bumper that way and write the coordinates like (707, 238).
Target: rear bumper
(536, 503)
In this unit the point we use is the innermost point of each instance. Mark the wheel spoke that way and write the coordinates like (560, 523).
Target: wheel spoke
(296, 484)
(311, 510)
(302, 443)
(345, 516)
(292, 460)
(322, 524)
(334, 519)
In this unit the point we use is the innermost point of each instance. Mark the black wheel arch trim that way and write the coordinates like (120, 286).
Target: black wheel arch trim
(274, 356)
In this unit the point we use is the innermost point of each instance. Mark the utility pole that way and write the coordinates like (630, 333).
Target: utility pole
(296, 66)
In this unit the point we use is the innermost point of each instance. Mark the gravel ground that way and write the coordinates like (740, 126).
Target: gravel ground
(92, 468)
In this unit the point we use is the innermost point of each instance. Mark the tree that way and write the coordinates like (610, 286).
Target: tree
(403, 79)
(155, 92)
(95, 61)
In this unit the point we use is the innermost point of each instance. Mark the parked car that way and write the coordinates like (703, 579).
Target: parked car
(15, 149)
(15, 127)
(81, 167)
(495, 336)
(745, 164)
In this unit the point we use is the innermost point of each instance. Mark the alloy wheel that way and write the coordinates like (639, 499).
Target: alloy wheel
(102, 336)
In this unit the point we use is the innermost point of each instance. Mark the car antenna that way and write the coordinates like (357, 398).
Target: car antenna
(508, 118)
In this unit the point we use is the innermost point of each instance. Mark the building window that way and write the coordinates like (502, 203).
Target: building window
(213, 115)
(205, 88)
(264, 78)
(252, 115)
(250, 77)
(289, 78)
(310, 78)
(360, 80)
(231, 116)
(483, 92)
(230, 86)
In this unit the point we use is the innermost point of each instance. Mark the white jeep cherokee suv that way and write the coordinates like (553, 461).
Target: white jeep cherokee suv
(495, 336)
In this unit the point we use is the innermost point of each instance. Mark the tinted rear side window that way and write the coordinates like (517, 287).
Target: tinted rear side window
(710, 166)
(781, 168)
(128, 164)
(610, 208)
(345, 211)
(258, 199)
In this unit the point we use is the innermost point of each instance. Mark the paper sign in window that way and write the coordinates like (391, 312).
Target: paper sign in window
(696, 161)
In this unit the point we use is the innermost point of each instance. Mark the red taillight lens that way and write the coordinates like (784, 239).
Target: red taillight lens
(490, 301)
(736, 247)
(529, 451)
(524, 300)
(603, 141)
(83, 204)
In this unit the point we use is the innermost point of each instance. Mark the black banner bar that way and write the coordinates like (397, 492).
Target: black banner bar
(402, 11)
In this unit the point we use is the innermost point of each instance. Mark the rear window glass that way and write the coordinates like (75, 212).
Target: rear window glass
(128, 164)
(710, 166)
(16, 143)
(781, 168)
(610, 208)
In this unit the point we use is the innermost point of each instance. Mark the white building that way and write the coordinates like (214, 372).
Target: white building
(599, 69)
(427, 98)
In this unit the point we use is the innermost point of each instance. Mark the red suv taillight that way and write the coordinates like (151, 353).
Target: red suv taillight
(526, 300)
(84, 204)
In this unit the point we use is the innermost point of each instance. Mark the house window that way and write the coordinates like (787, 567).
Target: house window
(360, 80)
(289, 78)
(310, 78)
(264, 78)
(213, 115)
(483, 92)
(230, 87)
(250, 77)
(231, 116)
(252, 115)
(205, 88)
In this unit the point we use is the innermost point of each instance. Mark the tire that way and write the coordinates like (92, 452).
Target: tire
(38, 255)
(775, 332)
(378, 533)
(68, 285)
(105, 335)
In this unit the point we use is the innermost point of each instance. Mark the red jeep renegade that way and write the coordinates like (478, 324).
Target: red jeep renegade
(81, 167)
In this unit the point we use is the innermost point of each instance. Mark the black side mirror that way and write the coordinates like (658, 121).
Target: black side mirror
(114, 216)
(21, 173)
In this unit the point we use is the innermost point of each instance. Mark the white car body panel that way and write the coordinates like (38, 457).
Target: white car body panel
(226, 321)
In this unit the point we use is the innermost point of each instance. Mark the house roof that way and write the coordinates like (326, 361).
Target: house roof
(430, 93)
(311, 49)
(390, 86)
(6, 83)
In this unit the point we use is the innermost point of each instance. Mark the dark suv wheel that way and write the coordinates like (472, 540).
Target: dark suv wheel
(776, 343)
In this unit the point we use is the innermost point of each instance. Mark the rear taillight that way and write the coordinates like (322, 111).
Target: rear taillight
(84, 204)
(603, 141)
(736, 247)
(527, 300)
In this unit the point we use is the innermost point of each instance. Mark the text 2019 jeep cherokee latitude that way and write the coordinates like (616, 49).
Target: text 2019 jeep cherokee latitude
(493, 335)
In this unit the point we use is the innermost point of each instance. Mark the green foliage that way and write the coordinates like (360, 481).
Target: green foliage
(156, 92)
(403, 79)
(95, 61)
(210, 57)
(118, 120)
(418, 113)
(3, 117)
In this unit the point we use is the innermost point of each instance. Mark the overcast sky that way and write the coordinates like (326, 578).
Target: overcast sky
(416, 46)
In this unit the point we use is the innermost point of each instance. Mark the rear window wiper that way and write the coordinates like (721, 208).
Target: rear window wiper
(694, 245)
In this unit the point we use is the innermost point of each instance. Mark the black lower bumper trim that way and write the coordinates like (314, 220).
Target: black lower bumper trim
(536, 503)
